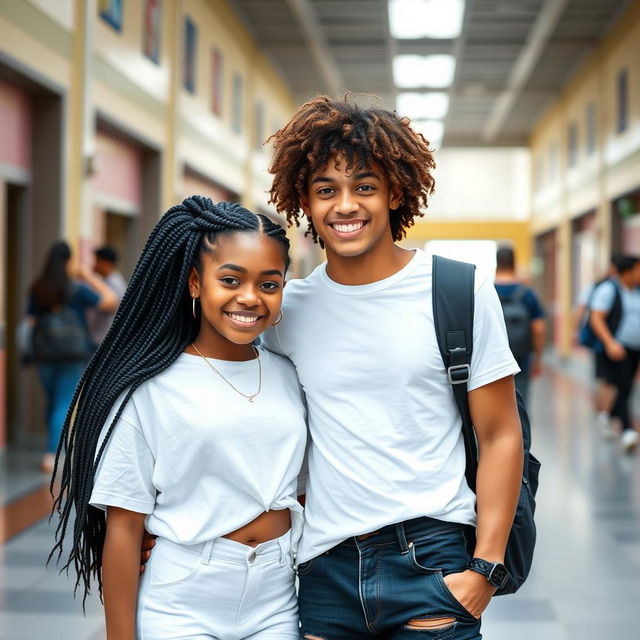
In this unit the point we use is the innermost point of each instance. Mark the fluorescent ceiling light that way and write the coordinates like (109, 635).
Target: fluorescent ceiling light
(425, 18)
(420, 106)
(432, 130)
(431, 72)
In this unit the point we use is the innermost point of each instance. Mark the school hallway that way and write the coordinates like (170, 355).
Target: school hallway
(585, 584)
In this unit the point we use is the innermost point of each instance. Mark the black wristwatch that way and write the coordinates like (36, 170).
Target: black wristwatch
(495, 572)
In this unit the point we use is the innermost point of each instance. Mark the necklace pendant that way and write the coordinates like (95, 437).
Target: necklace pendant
(251, 399)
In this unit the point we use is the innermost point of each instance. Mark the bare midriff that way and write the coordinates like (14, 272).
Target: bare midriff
(267, 526)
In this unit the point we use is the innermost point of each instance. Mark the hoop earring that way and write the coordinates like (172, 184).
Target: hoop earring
(277, 322)
(193, 300)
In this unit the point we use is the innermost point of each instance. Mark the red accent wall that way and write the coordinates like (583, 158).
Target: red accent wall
(118, 169)
(15, 126)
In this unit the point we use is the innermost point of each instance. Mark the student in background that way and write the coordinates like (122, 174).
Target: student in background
(524, 318)
(57, 306)
(622, 343)
(605, 393)
(106, 261)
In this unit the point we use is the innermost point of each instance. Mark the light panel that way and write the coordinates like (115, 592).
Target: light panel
(430, 72)
(432, 130)
(420, 106)
(409, 19)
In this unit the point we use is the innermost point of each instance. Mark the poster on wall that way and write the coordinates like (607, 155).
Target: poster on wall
(190, 43)
(152, 29)
(216, 81)
(111, 12)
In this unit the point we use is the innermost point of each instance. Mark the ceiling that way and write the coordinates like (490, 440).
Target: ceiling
(512, 57)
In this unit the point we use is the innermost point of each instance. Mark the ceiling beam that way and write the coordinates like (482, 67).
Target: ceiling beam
(318, 45)
(523, 66)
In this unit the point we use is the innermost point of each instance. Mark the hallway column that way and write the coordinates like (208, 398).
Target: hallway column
(604, 223)
(80, 121)
(173, 33)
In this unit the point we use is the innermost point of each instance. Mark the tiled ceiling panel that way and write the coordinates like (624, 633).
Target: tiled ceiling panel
(329, 46)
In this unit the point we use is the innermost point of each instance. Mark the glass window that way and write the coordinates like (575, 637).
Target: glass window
(190, 45)
(622, 93)
(216, 81)
(152, 29)
(111, 12)
(236, 123)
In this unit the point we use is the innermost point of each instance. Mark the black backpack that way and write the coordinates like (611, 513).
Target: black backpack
(453, 304)
(586, 334)
(517, 319)
(59, 336)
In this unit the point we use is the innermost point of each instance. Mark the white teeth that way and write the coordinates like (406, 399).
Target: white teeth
(348, 228)
(245, 319)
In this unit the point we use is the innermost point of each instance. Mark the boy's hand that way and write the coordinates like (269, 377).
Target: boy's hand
(148, 542)
(471, 589)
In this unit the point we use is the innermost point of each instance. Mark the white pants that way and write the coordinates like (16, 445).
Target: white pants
(219, 590)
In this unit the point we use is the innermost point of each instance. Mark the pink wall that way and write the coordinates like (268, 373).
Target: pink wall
(118, 169)
(15, 126)
(194, 185)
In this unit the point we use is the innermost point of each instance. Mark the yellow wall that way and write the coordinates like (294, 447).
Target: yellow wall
(514, 232)
(613, 167)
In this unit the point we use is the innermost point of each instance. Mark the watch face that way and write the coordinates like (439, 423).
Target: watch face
(498, 575)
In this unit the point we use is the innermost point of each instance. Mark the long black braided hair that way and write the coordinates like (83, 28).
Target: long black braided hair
(153, 325)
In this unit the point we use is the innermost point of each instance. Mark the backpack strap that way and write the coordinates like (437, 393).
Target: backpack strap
(453, 302)
(615, 313)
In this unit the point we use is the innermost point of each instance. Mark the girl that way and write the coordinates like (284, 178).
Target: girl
(196, 434)
(58, 303)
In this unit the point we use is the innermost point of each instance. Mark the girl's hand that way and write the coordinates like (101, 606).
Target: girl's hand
(148, 542)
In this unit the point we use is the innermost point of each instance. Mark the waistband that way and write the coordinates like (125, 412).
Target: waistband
(402, 533)
(278, 549)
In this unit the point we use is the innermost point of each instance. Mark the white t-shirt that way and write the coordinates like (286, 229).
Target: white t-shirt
(628, 330)
(386, 434)
(200, 459)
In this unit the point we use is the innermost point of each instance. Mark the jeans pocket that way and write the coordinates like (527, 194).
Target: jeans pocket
(305, 568)
(444, 550)
(172, 565)
(449, 595)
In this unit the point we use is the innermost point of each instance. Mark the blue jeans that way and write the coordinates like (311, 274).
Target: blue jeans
(371, 588)
(59, 382)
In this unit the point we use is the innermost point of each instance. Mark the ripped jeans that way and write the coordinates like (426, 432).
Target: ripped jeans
(371, 588)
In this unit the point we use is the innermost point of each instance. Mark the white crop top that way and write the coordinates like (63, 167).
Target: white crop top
(200, 459)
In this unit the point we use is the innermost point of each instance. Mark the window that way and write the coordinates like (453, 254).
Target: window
(259, 125)
(591, 128)
(237, 116)
(190, 44)
(152, 29)
(622, 93)
(216, 81)
(111, 12)
(572, 144)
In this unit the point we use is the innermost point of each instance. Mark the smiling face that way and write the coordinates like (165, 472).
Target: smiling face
(240, 291)
(350, 209)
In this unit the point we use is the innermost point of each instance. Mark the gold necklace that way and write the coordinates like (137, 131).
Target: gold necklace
(244, 395)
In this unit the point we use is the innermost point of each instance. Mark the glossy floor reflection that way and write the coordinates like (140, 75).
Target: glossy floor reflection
(586, 580)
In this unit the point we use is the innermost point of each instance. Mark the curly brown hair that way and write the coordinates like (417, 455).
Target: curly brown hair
(325, 129)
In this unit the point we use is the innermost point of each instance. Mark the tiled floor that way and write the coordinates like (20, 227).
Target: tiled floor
(585, 584)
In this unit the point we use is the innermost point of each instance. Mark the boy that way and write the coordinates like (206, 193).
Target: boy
(390, 526)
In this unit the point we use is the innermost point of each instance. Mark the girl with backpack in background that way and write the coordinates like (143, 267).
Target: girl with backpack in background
(60, 343)
(181, 425)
